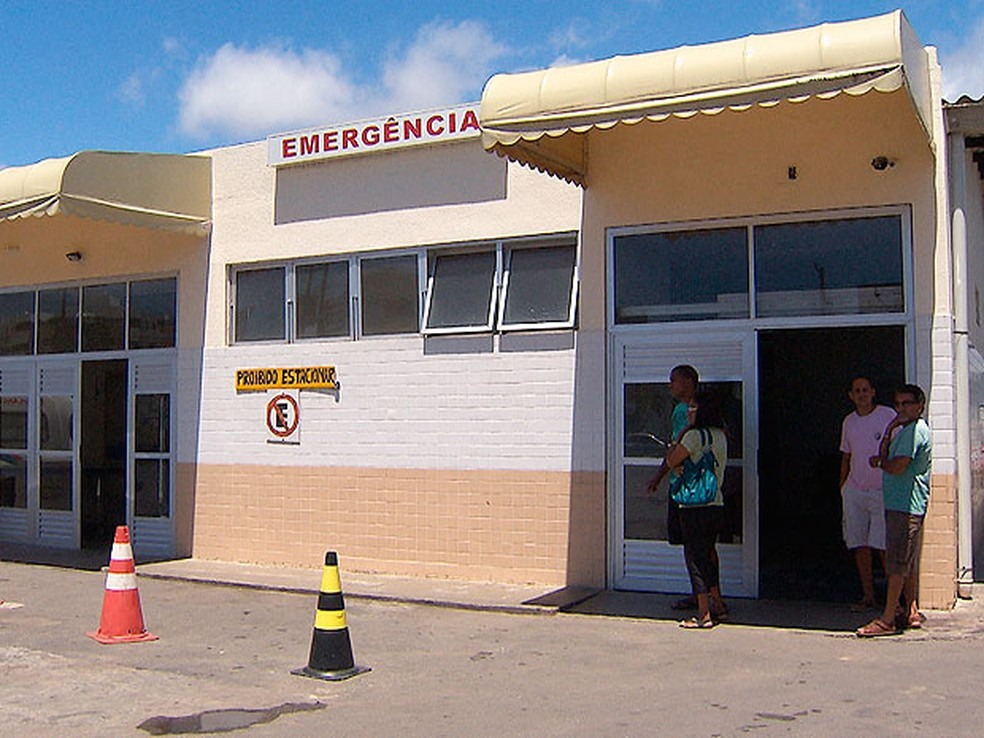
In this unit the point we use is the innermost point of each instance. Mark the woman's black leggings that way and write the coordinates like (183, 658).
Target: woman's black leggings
(700, 531)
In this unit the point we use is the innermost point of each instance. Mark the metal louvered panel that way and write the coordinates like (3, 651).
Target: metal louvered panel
(56, 528)
(151, 375)
(15, 380)
(652, 360)
(153, 538)
(57, 380)
(15, 524)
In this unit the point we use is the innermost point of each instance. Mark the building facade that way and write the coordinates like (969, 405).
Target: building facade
(381, 339)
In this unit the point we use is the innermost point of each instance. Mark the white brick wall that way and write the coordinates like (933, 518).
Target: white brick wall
(397, 408)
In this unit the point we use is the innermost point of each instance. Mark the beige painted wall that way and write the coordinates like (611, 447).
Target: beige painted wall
(32, 253)
(736, 163)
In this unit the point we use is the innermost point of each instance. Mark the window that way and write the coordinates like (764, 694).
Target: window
(260, 304)
(681, 275)
(829, 267)
(152, 464)
(16, 323)
(13, 444)
(461, 292)
(153, 312)
(389, 295)
(58, 320)
(104, 317)
(322, 300)
(503, 285)
(539, 288)
(822, 266)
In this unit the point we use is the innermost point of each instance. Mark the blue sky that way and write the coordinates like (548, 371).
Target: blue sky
(181, 76)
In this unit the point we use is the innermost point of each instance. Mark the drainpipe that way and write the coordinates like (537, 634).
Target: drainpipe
(958, 241)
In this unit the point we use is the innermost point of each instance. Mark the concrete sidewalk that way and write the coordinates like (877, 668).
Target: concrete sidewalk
(965, 620)
(355, 585)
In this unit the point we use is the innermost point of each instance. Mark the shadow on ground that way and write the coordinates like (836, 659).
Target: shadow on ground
(825, 616)
(88, 559)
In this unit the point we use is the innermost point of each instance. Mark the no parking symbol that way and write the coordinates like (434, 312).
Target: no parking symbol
(283, 417)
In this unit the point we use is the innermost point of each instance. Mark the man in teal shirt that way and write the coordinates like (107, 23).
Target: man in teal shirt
(905, 458)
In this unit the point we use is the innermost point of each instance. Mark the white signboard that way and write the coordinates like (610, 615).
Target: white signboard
(283, 418)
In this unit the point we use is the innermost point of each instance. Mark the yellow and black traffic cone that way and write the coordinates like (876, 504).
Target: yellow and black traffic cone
(331, 648)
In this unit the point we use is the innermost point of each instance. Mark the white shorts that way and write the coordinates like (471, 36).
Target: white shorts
(864, 518)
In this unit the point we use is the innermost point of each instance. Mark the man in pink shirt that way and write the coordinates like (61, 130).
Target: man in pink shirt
(861, 485)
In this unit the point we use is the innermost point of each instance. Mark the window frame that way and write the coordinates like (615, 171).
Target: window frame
(750, 223)
(534, 244)
(434, 256)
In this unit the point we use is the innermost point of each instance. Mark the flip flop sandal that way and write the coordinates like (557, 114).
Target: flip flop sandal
(695, 624)
(721, 616)
(877, 628)
(687, 603)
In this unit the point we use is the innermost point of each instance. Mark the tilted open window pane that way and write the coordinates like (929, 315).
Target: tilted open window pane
(322, 300)
(104, 317)
(539, 287)
(461, 291)
(153, 312)
(681, 275)
(16, 323)
(389, 289)
(260, 296)
(58, 321)
(829, 267)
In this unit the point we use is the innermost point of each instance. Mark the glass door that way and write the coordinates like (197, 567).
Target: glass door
(57, 431)
(643, 558)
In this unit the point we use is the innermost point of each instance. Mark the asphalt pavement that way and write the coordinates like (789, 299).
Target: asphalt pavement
(454, 659)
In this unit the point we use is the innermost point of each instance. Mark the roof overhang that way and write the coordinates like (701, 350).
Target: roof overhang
(965, 117)
(162, 191)
(535, 117)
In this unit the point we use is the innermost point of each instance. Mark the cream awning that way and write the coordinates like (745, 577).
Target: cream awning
(534, 117)
(165, 191)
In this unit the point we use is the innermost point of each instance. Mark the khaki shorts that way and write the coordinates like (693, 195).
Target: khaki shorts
(903, 539)
(864, 518)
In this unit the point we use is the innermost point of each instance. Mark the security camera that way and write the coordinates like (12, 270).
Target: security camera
(881, 163)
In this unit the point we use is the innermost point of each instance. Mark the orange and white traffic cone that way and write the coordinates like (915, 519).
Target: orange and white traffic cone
(121, 620)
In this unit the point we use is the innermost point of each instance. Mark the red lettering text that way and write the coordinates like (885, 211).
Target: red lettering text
(288, 147)
(350, 138)
(310, 144)
(469, 121)
(434, 125)
(329, 141)
(411, 128)
(391, 131)
(370, 135)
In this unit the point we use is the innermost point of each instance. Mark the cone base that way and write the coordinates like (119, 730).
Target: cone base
(128, 638)
(331, 676)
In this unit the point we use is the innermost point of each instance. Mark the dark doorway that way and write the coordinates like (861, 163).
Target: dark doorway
(103, 453)
(803, 382)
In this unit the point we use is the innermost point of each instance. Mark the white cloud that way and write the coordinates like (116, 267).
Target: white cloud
(131, 91)
(445, 64)
(963, 69)
(246, 92)
(252, 92)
